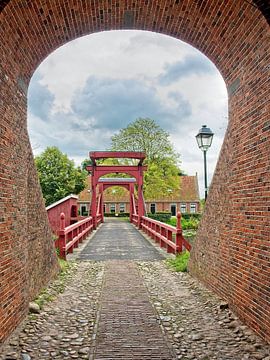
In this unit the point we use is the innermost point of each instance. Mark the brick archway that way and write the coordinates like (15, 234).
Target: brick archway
(232, 250)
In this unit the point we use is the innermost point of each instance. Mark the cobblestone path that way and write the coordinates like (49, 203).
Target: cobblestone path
(124, 309)
(196, 322)
(65, 327)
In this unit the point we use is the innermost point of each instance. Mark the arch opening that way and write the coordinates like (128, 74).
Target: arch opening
(235, 36)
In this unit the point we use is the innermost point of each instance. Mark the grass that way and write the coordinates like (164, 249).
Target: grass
(64, 266)
(180, 262)
(48, 294)
(43, 298)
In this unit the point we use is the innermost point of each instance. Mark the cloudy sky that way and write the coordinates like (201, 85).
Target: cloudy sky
(87, 90)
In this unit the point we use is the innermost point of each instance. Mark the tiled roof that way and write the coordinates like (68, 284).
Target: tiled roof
(120, 195)
(189, 188)
(85, 195)
(188, 191)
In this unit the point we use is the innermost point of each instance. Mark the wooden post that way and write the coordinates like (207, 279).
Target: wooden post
(140, 195)
(131, 210)
(62, 237)
(101, 189)
(94, 196)
(179, 241)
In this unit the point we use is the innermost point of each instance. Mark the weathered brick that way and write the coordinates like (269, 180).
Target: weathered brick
(229, 254)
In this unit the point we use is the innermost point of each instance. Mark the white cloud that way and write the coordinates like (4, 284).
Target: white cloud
(126, 68)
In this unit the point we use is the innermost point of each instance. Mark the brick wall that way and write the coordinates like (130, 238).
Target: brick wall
(232, 250)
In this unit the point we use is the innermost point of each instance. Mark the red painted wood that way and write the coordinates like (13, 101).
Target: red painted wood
(68, 207)
(163, 234)
(70, 236)
(97, 171)
(95, 155)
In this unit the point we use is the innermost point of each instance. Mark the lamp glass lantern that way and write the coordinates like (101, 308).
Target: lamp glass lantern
(204, 138)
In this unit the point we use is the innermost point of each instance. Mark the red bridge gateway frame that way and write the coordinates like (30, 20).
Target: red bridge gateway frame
(99, 184)
(168, 237)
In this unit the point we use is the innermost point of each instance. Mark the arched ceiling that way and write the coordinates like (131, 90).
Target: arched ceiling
(262, 5)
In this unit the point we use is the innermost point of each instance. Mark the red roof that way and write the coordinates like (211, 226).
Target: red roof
(188, 192)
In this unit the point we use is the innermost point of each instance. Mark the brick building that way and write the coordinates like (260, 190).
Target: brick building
(116, 200)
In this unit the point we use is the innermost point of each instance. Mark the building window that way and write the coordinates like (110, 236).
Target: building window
(183, 208)
(84, 211)
(112, 208)
(122, 208)
(193, 208)
(104, 208)
(152, 208)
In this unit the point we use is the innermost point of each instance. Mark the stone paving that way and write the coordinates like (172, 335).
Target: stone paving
(64, 328)
(197, 323)
(126, 309)
(118, 239)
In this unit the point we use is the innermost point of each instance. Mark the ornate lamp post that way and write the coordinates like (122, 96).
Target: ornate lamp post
(204, 139)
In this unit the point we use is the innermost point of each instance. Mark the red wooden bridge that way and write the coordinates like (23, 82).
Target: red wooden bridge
(168, 237)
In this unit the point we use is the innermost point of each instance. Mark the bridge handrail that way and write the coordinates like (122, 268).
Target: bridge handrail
(160, 223)
(74, 226)
(163, 233)
(135, 219)
(98, 219)
(70, 236)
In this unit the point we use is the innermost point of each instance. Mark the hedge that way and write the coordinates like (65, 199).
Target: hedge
(160, 216)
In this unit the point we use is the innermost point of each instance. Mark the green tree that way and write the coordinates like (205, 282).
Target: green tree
(85, 163)
(162, 176)
(145, 135)
(58, 175)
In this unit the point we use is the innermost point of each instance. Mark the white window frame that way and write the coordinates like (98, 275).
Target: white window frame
(81, 206)
(122, 207)
(181, 208)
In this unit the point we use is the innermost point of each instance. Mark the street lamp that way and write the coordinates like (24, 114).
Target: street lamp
(204, 139)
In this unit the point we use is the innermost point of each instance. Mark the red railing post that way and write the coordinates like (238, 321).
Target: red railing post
(62, 237)
(179, 241)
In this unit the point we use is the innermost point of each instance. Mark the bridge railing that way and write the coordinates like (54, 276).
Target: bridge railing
(134, 215)
(167, 236)
(69, 237)
(135, 219)
(98, 219)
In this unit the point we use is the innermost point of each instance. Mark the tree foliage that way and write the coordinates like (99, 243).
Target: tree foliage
(162, 176)
(58, 175)
(145, 135)
(85, 163)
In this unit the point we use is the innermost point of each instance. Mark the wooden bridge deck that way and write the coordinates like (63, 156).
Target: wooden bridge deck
(119, 240)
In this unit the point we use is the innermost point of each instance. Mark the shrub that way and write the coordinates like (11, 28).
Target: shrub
(191, 223)
(161, 216)
(193, 215)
